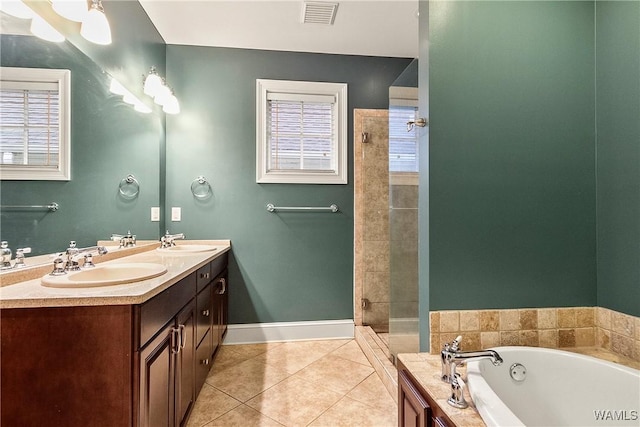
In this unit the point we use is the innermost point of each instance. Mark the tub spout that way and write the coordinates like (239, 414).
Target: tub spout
(462, 356)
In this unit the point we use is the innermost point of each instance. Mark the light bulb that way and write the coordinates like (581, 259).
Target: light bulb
(152, 83)
(16, 8)
(116, 87)
(129, 98)
(73, 10)
(141, 107)
(42, 29)
(163, 95)
(172, 106)
(95, 26)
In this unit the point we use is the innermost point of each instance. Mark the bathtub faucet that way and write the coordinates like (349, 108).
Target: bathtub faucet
(451, 357)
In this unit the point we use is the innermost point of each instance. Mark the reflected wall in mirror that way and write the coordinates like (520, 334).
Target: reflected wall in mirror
(109, 140)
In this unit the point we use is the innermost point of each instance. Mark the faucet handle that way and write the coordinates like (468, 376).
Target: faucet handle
(58, 267)
(455, 344)
(20, 257)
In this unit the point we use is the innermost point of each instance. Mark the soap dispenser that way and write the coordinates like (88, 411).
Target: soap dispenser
(5, 256)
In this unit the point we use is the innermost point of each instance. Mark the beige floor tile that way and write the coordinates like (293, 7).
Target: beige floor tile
(243, 416)
(294, 402)
(293, 356)
(247, 379)
(226, 358)
(351, 413)
(335, 373)
(251, 350)
(351, 351)
(211, 403)
(372, 392)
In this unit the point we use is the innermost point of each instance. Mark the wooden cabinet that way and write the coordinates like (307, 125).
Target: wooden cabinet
(416, 408)
(127, 365)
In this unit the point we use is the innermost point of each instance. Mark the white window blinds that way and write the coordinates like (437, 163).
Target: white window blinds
(301, 132)
(30, 124)
(403, 145)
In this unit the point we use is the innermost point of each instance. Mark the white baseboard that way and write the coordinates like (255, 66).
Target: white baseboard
(289, 331)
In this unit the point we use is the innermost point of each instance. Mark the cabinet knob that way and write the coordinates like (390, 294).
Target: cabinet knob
(204, 361)
(205, 313)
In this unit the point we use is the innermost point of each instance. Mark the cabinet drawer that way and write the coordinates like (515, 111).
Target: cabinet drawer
(203, 276)
(219, 264)
(159, 310)
(204, 312)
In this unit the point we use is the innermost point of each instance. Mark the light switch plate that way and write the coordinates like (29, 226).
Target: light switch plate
(155, 213)
(176, 214)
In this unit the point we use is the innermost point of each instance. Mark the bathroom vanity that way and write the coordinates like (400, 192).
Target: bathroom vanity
(132, 354)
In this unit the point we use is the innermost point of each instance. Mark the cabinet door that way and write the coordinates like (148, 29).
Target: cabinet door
(413, 410)
(216, 318)
(203, 361)
(157, 385)
(185, 362)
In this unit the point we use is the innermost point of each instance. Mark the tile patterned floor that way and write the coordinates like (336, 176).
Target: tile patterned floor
(293, 384)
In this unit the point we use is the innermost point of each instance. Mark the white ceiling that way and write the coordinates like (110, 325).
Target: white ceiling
(361, 27)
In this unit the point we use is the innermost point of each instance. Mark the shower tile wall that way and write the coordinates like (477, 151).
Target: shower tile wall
(371, 229)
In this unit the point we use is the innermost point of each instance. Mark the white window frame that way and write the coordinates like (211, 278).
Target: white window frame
(339, 92)
(63, 79)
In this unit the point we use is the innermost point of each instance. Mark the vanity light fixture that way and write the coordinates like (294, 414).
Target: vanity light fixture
(172, 106)
(95, 26)
(44, 30)
(16, 8)
(73, 10)
(157, 88)
(118, 89)
(152, 82)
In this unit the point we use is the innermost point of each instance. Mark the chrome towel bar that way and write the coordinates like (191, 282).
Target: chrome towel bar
(51, 207)
(272, 208)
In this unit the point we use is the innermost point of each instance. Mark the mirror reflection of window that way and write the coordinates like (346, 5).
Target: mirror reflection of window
(403, 145)
(34, 124)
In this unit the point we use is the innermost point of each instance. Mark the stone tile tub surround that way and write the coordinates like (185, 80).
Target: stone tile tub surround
(569, 327)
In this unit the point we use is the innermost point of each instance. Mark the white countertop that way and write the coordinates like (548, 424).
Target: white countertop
(31, 293)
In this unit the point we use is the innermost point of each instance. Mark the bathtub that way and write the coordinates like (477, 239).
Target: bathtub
(553, 388)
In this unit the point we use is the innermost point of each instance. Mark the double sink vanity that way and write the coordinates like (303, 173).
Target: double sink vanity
(128, 342)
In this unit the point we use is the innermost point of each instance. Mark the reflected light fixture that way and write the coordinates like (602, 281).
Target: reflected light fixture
(95, 26)
(172, 106)
(73, 10)
(152, 82)
(163, 94)
(44, 30)
(16, 8)
(118, 89)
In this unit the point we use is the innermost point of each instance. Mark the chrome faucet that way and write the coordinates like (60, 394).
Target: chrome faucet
(126, 241)
(5, 256)
(451, 357)
(60, 266)
(167, 240)
(20, 257)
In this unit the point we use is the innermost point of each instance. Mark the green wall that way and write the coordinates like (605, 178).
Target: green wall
(108, 141)
(618, 154)
(512, 155)
(285, 266)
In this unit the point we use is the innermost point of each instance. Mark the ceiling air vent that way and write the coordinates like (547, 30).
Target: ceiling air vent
(319, 12)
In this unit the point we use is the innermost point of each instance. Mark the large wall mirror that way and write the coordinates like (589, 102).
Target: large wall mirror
(109, 142)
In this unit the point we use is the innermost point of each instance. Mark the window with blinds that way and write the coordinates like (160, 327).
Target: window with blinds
(301, 132)
(34, 137)
(403, 145)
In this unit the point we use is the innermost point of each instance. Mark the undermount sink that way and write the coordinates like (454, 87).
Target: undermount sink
(185, 249)
(105, 275)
